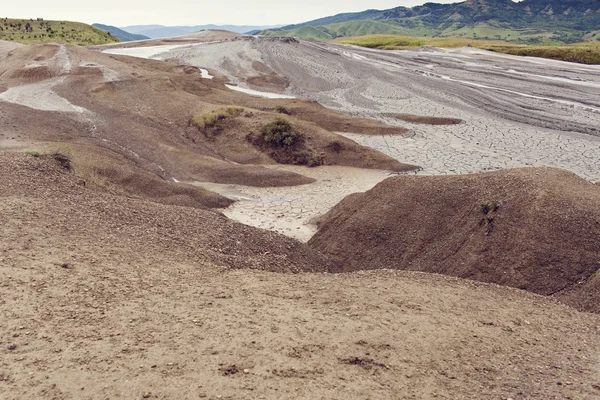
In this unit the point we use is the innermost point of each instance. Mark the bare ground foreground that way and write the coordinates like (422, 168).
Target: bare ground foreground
(105, 296)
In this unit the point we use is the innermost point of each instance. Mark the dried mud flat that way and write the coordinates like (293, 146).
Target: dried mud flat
(292, 211)
(90, 310)
(505, 111)
(516, 111)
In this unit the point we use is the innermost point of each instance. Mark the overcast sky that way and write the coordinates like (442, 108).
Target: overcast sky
(193, 12)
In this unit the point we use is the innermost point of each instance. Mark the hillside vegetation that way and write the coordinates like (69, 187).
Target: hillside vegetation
(584, 53)
(40, 31)
(526, 22)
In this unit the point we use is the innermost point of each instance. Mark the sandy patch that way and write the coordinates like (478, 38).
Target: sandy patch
(266, 95)
(40, 96)
(145, 52)
(289, 210)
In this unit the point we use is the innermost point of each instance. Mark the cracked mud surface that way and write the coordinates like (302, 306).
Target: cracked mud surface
(517, 111)
(291, 210)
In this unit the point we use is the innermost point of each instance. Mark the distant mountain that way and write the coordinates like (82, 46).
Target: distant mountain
(529, 21)
(139, 28)
(159, 31)
(120, 33)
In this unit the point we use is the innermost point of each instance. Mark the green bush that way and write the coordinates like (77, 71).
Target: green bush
(280, 133)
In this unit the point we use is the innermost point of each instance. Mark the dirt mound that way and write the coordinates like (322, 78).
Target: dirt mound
(31, 63)
(536, 229)
(418, 119)
(58, 199)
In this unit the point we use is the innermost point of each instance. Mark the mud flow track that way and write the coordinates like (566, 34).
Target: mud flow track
(516, 111)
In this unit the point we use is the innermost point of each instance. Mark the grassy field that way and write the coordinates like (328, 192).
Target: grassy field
(39, 31)
(584, 53)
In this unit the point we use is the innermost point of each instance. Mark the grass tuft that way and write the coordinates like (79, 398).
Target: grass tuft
(207, 120)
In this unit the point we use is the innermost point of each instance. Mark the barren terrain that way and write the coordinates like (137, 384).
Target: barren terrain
(127, 122)
(536, 229)
(517, 111)
(104, 296)
(466, 110)
(121, 275)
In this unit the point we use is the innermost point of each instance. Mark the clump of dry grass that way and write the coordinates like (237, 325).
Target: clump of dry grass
(208, 119)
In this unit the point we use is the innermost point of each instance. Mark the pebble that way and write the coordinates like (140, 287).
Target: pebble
(12, 347)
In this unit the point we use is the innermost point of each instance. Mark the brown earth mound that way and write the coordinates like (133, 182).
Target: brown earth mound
(419, 119)
(536, 229)
(42, 193)
(140, 112)
(105, 296)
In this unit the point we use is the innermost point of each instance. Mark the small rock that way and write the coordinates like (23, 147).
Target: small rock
(246, 371)
(146, 395)
(12, 347)
(202, 395)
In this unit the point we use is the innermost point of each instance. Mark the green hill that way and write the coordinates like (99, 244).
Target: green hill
(39, 31)
(352, 28)
(527, 22)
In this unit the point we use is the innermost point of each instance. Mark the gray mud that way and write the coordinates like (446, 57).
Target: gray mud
(517, 111)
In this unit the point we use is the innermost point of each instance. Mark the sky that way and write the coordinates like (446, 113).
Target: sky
(194, 12)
